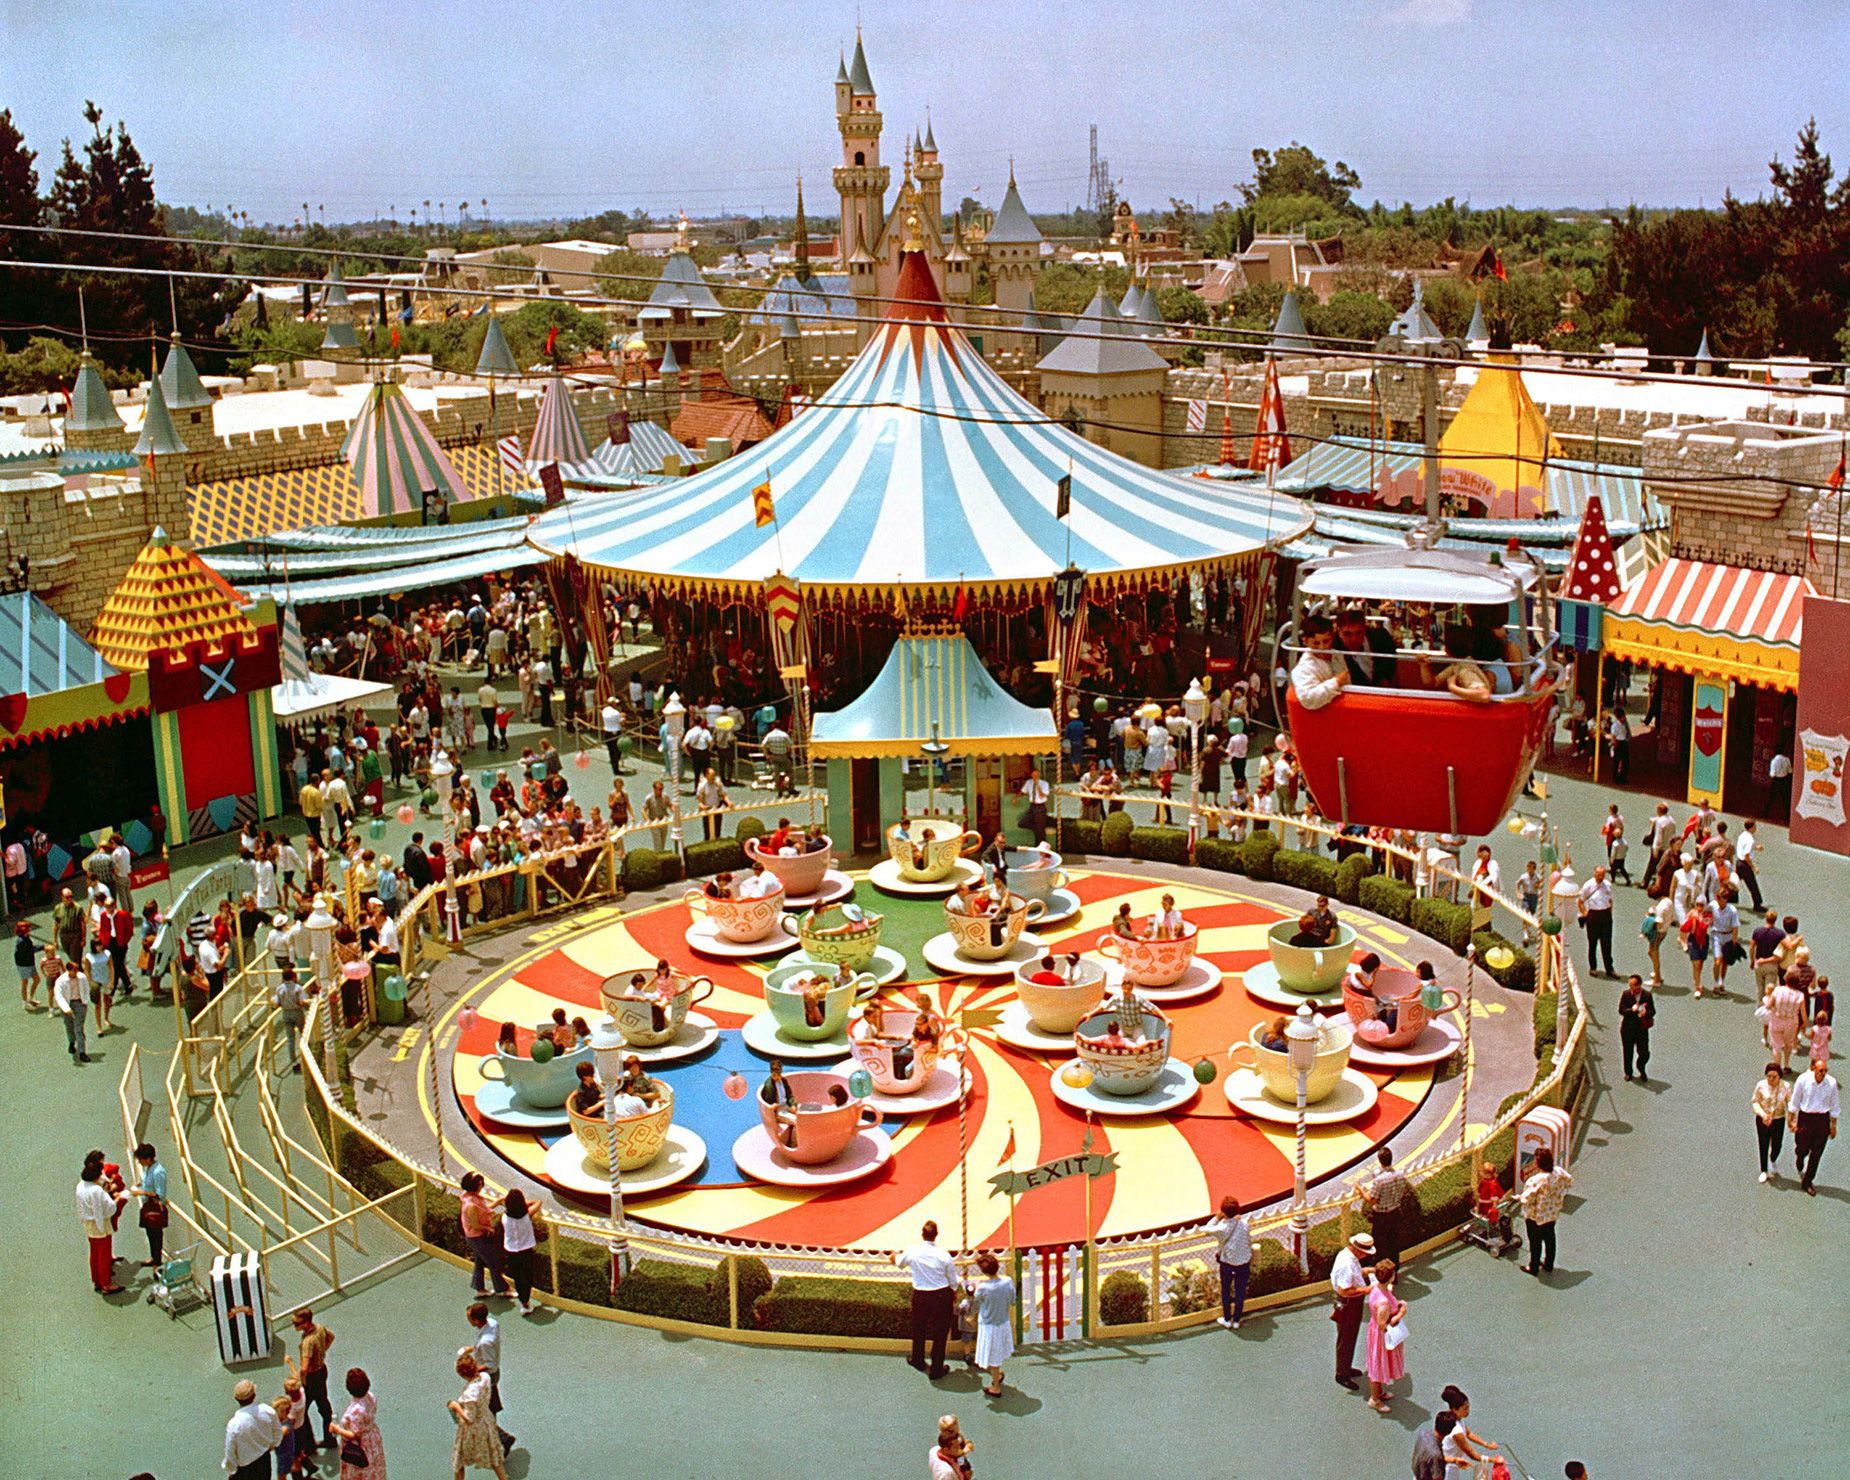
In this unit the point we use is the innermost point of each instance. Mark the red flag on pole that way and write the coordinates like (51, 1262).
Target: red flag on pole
(1496, 267)
(1008, 1150)
(961, 604)
(1271, 442)
(552, 338)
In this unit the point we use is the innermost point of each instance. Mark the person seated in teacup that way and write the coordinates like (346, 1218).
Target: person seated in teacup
(995, 858)
(815, 993)
(1307, 932)
(775, 839)
(589, 1094)
(1273, 1037)
(1361, 979)
(1115, 1040)
(758, 883)
(1167, 923)
(838, 1095)
(639, 1082)
(776, 1092)
(968, 900)
(1322, 922)
(628, 1105)
(927, 1014)
(564, 1040)
(1121, 922)
(921, 848)
(507, 1040)
(854, 922)
(581, 1033)
(720, 887)
(844, 975)
(1049, 973)
(1043, 856)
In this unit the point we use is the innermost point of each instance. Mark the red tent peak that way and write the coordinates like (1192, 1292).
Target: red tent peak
(916, 296)
(1593, 569)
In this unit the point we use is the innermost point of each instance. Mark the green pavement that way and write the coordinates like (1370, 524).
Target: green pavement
(1689, 1329)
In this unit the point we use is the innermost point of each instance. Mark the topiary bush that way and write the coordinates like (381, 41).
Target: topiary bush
(1114, 835)
(1384, 895)
(1542, 1021)
(715, 856)
(1257, 854)
(645, 868)
(1445, 922)
(1442, 1201)
(698, 1293)
(1160, 844)
(748, 827)
(1349, 875)
(1519, 975)
(1310, 872)
(1123, 1299)
(1079, 835)
(825, 1305)
(1221, 854)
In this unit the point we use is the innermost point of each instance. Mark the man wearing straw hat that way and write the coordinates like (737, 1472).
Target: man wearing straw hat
(1351, 1287)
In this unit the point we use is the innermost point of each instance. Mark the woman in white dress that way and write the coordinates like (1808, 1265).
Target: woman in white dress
(994, 1294)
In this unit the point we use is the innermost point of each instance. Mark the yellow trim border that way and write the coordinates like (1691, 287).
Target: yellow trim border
(1715, 654)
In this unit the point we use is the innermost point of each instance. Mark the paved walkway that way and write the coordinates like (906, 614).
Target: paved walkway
(1686, 1293)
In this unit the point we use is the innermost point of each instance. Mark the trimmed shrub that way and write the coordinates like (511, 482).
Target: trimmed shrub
(1257, 854)
(645, 868)
(1311, 872)
(825, 1305)
(1384, 895)
(1349, 875)
(1114, 835)
(1192, 1288)
(1079, 835)
(1221, 854)
(692, 1292)
(1442, 1201)
(1519, 975)
(1445, 922)
(1123, 1299)
(1542, 1021)
(1160, 844)
(748, 827)
(715, 856)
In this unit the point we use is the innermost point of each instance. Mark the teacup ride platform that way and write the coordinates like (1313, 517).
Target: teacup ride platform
(813, 1142)
(1297, 974)
(631, 1022)
(653, 1153)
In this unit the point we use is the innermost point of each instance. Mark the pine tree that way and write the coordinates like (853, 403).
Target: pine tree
(20, 288)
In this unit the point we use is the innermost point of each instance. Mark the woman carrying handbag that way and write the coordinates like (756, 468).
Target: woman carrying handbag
(152, 1190)
(1386, 1359)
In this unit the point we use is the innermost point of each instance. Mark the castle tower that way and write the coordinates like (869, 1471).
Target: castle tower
(802, 270)
(93, 424)
(957, 265)
(930, 175)
(861, 180)
(185, 394)
(1014, 262)
(162, 451)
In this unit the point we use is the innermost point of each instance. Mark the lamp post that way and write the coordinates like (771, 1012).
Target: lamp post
(607, 1048)
(674, 726)
(934, 751)
(320, 928)
(1195, 710)
(443, 782)
(1301, 1047)
(1566, 888)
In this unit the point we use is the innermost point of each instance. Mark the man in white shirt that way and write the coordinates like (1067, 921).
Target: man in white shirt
(253, 1432)
(933, 1273)
(1350, 1284)
(488, 700)
(70, 996)
(1658, 839)
(96, 1215)
(1811, 1114)
(1486, 877)
(1596, 916)
(758, 883)
(1319, 676)
(696, 742)
(1746, 849)
(1779, 785)
(1237, 745)
(612, 720)
(1035, 792)
(1685, 884)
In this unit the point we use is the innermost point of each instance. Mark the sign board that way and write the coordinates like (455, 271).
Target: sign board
(148, 871)
(1818, 815)
(1084, 1164)
(1708, 739)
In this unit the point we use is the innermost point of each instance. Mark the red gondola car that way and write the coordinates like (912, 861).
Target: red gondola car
(1406, 753)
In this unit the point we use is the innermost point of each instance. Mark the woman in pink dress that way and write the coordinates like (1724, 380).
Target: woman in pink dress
(1785, 1010)
(1384, 1363)
(360, 1425)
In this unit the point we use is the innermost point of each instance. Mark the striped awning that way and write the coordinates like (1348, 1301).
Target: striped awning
(934, 687)
(922, 468)
(39, 653)
(1721, 620)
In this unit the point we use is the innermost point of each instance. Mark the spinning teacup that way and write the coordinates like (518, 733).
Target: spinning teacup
(807, 1011)
(640, 1138)
(898, 1063)
(538, 1084)
(646, 1017)
(1059, 1008)
(1313, 970)
(1130, 1060)
(1150, 963)
(1033, 875)
(1395, 1011)
(841, 934)
(801, 874)
(991, 935)
(929, 860)
(1273, 1065)
(740, 920)
(818, 1126)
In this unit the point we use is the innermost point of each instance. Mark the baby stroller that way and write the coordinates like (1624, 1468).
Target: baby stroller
(176, 1287)
(1495, 1234)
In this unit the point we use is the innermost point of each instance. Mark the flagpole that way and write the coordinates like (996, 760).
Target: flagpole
(963, 1161)
(1014, 1254)
(1091, 1280)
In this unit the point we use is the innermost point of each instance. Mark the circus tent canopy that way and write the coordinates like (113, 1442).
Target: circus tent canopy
(395, 458)
(921, 467)
(557, 436)
(934, 687)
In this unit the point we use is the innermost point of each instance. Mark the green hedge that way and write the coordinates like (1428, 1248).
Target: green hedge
(1257, 854)
(1442, 1201)
(1387, 896)
(1445, 922)
(748, 827)
(1311, 872)
(1079, 835)
(1519, 975)
(645, 868)
(1542, 1021)
(1123, 1299)
(715, 856)
(1221, 854)
(1114, 836)
(824, 1305)
(698, 1293)
(1349, 875)
(1160, 844)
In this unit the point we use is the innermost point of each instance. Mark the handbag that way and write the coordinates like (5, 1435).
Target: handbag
(353, 1454)
(153, 1212)
(1395, 1336)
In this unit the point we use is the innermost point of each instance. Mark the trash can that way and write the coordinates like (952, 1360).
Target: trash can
(391, 999)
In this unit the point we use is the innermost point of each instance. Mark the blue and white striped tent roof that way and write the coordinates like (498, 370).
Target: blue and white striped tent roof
(39, 653)
(922, 468)
(648, 449)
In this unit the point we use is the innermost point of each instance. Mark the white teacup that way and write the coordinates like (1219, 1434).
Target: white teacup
(637, 1017)
(1058, 1009)
(1274, 1065)
(1031, 881)
(740, 920)
(935, 857)
(973, 933)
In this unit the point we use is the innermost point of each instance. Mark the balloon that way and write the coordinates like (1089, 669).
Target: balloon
(582, 760)
(542, 1050)
(1236, 727)
(1515, 823)
(625, 745)
(1077, 1074)
(1204, 1071)
(1551, 925)
(406, 813)
(485, 778)
(1500, 958)
(466, 1018)
(376, 828)
(734, 1086)
(860, 1084)
(1100, 704)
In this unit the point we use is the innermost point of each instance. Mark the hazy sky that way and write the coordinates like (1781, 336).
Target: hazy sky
(548, 110)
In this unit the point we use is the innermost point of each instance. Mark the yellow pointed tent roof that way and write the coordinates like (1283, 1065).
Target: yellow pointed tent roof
(168, 598)
(1492, 456)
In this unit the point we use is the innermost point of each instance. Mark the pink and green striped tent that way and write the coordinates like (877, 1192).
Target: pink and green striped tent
(557, 436)
(395, 458)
